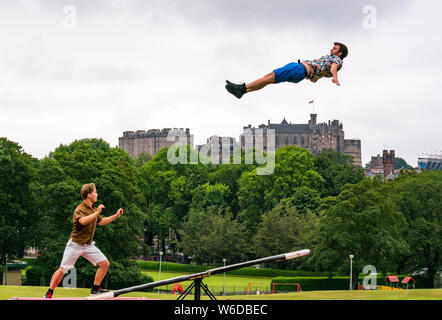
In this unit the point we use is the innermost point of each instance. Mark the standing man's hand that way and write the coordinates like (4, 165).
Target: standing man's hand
(119, 213)
(100, 208)
(108, 220)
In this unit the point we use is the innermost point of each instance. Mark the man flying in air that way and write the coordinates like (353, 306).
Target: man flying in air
(326, 66)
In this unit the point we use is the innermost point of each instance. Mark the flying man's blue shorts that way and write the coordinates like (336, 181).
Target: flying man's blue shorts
(292, 72)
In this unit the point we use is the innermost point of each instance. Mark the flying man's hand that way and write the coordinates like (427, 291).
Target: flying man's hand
(334, 72)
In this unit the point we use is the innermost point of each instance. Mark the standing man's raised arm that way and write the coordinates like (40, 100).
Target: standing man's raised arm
(87, 220)
(108, 220)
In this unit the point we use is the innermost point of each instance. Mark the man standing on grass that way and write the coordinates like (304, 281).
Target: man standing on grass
(326, 66)
(85, 220)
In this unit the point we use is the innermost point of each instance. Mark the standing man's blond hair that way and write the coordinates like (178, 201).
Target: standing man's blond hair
(86, 189)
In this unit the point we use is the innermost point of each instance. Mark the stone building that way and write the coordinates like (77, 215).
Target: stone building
(383, 165)
(151, 141)
(377, 163)
(220, 149)
(317, 137)
(388, 162)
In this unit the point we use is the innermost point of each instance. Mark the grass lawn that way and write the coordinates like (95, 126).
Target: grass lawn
(215, 283)
(7, 292)
(419, 294)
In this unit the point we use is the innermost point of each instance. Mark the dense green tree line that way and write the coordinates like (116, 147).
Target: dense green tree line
(216, 212)
(17, 172)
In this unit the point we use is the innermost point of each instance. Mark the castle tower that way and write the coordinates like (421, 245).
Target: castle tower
(388, 161)
(313, 118)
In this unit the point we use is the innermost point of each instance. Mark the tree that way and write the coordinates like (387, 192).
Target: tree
(400, 163)
(283, 229)
(313, 180)
(229, 174)
(337, 170)
(159, 221)
(142, 159)
(293, 169)
(16, 200)
(362, 221)
(251, 198)
(208, 195)
(168, 191)
(213, 234)
(292, 164)
(419, 198)
(181, 196)
(304, 199)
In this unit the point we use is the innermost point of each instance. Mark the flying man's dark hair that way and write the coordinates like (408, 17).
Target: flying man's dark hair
(343, 49)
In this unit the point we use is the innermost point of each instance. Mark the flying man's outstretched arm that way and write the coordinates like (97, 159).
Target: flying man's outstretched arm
(334, 72)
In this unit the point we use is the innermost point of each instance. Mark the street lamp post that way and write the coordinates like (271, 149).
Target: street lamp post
(224, 285)
(351, 271)
(159, 276)
(6, 270)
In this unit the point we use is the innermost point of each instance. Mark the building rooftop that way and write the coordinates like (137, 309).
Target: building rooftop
(286, 127)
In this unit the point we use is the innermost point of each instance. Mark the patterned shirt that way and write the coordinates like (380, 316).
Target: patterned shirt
(322, 67)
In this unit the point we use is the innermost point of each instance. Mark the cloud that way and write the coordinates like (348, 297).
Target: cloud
(337, 15)
(162, 63)
(247, 15)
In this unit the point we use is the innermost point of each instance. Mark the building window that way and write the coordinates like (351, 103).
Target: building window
(295, 141)
(302, 140)
(286, 141)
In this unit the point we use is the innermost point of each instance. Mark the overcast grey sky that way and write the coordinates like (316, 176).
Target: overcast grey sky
(83, 69)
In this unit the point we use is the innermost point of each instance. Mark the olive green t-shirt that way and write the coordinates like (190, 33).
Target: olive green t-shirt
(83, 234)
